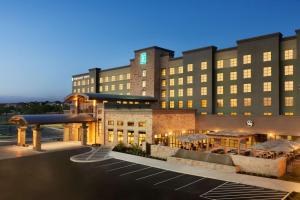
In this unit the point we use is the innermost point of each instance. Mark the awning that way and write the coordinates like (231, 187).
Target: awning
(51, 119)
(233, 134)
(278, 146)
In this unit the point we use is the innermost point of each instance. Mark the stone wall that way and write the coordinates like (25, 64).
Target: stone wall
(261, 166)
(163, 151)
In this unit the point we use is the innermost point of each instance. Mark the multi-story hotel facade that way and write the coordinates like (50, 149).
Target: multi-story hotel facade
(252, 87)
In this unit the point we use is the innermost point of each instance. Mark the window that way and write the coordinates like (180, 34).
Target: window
(190, 104)
(142, 124)
(128, 76)
(127, 86)
(247, 113)
(92, 81)
(144, 93)
(189, 79)
(120, 136)
(267, 113)
(219, 76)
(190, 67)
(121, 86)
(171, 93)
(113, 78)
(203, 78)
(121, 77)
(110, 135)
(180, 70)
(144, 73)
(203, 65)
(233, 89)
(220, 89)
(180, 92)
(163, 72)
(247, 59)
(83, 90)
(171, 82)
(267, 101)
(267, 86)
(92, 89)
(190, 92)
(220, 103)
(233, 76)
(163, 83)
(130, 123)
(172, 71)
(203, 91)
(288, 85)
(163, 93)
(106, 88)
(233, 62)
(163, 104)
(233, 103)
(288, 54)
(180, 81)
(267, 56)
(220, 64)
(142, 138)
(247, 87)
(112, 87)
(267, 71)
(101, 80)
(130, 137)
(288, 70)
(203, 103)
(171, 104)
(100, 88)
(247, 73)
(110, 122)
(143, 58)
(247, 102)
(288, 113)
(106, 79)
(180, 104)
(143, 83)
(233, 113)
(289, 101)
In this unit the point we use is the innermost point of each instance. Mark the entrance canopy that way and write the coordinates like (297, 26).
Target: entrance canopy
(50, 119)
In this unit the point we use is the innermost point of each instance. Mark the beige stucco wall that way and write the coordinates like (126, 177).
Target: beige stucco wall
(163, 151)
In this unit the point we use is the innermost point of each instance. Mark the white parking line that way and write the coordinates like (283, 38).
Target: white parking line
(143, 177)
(169, 179)
(121, 167)
(135, 171)
(189, 184)
(213, 189)
(109, 164)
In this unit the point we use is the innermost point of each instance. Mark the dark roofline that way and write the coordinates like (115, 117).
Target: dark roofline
(297, 30)
(199, 49)
(259, 37)
(76, 75)
(227, 49)
(154, 47)
(177, 58)
(289, 37)
(115, 68)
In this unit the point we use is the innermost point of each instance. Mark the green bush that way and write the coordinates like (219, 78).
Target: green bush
(133, 149)
(120, 147)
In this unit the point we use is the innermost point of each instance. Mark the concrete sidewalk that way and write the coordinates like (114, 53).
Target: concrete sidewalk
(274, 184)
(13, 151)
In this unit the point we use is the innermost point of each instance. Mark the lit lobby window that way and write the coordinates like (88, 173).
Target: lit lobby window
(247, 87)
(128, 76)
(163, 93)
(163, 72)
(113, 78)
(233, 62)
(144, 73)
(110, 135)
(203, 65)
(220, 103)
(288, 85)
(267, 87)
(289, 101)
(172, 71)
(203, 78)
(190, 92)
(267, 56)
(220, 64)
(171, 104)
(180, 92)
(233, 76)
(163, 82)
(247, 73)
(190, 104)
(180, 70)
(112, 87)
(189, 79)
(247, 113)
(130, 137)
(219, 76)
(288, 70)
(267, 101)
(203, 91)
(233, 103)
(171, 93)
(233, 89)
(247, 59)
(120, 136)
(247, 102)
(180, 104)
(203, 103)
(288, 113)
(127, 86)
(163, 104)
(143, 83)
(267, 114)
(288, 54)
(190, 67)
(220, 90)
(267, 71)
(180, 81)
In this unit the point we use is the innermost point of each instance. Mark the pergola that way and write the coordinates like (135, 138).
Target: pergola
(23, 121)
(233, 135)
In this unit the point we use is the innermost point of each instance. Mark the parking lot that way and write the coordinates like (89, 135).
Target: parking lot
(200, 187)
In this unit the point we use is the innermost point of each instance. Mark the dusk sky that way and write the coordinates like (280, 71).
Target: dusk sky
(43, 43)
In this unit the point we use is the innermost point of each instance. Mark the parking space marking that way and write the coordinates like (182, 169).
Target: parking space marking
(150, 175)
(168, 179)
(121, 167)
(104, 165)
(138, 170)
(213, 189)
(191, 183)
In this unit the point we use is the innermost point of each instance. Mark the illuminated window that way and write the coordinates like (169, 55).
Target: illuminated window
(288, 54)
(247, 59)
(180, 81)
(247, 73)
(203, 91)
(220, 103)
(180, 92)
(83, 82)
(172, 104)
(163, 104)
(180, 104)
(189, 79)
(203, 113)
(233, 89)
(144, 73)
(143, 58)
(121, 77)
(247, 87)
(289, 101)
(171, 82)
(219, 76)
(190, 92)
(267, 113)
(130, 137)
(233, 103)
(120, 136)
(220, 113)
(233, 76)
(127, 86)
(101, 80)
(74, 91)
(143, 83)
(190, 104)
(220, 64)
(233, 62)
(267, 101)
(144, 93)
(172, 71)
(247, 113)
(163, 82)
(203, 78)
(112, 87)
(163, 72)
(92, 89)
(288, 85)
(233, 113)
(267, 71)
(267, 87)
(203, 103)
(203, 65)
(121, 86)
(83, 90)
(106, 79)
(100, 88)
(113, 78)
(288, 70)
(288, 113)
(247, 102)
(106, 88)
(220, 89)
(74, 83)
(267, 56)
(180, 70)
(110, 122)
(92, 81)
(110, 134)
(128, 76)
(163, 93)
(172, 93)
(190, 67)
(141, 138)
